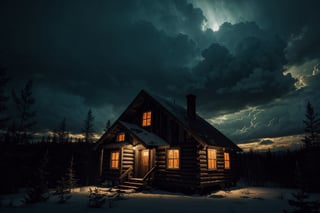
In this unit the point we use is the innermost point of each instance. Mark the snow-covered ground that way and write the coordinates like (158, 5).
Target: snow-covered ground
(245, 199)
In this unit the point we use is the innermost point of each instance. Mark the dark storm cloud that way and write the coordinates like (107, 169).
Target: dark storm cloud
(249, 73)
(176, 17)
(295, 21)
(281, 117)
(99, 54)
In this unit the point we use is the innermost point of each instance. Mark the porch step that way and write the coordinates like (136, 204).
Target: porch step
(133, 183)
(136, 179)
(138, 184)
(124, 186)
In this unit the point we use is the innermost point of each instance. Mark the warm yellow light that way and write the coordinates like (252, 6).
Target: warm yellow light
(115, 160)
(145, 153)
(173, 159)
(121, 137)
(212, 159)
(226, 160)
(146, 118)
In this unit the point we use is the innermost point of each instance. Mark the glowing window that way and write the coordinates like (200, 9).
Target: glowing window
(173, 159)
(226, 160)
(115, 160)
(146, 119)
(121, 137)
(212, 159)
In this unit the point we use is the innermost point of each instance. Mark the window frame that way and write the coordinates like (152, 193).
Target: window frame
(212, 159)
(146, 118)
(173, 158)
(121, 137)
(227, 164)
(114, 160)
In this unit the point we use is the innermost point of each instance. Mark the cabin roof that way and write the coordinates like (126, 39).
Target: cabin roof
(198, 126)
(148, 138)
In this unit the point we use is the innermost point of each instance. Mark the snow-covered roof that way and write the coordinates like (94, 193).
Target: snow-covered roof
(144, 136)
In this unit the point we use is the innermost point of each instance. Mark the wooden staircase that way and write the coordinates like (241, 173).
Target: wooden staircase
(136, 184)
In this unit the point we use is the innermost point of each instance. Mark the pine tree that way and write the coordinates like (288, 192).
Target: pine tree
(62, 133)
(4, 118)
(302, 204)
(108, 125)
(312, 127)
(300, 200)
(38, 190)
(11, 134)
(61, 190)
(54, 136)
(66, 183)
(71, 179)
(88, 130)
(24, 104)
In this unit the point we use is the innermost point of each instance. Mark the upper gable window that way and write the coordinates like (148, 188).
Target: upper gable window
(226, 160)
(212, 159)
(121, 137)
(146, 118)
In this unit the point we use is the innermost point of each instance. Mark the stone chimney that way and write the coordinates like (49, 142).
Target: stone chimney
(191, 106)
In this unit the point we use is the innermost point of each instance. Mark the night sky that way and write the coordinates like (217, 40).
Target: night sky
(252, 64)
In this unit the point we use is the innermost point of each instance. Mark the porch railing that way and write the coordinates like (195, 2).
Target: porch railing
(125, 174)
(148, 174)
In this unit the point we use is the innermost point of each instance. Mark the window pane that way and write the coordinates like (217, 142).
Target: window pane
(121, 137)
(209, 154)
(226, 156)
(173, 159)
(176, 154)
(115, 160)
(146, 118)
(226, 160)
(176, 164)
(212, 159)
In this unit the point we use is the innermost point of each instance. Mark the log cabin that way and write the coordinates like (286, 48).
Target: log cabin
(159, 143)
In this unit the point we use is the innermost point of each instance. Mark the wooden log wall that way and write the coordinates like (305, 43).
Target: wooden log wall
(184, 177)
(109, 174)
(126, 161)
(220, 176)
(127, 156)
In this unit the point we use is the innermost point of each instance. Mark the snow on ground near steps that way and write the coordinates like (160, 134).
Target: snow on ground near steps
(246, 199)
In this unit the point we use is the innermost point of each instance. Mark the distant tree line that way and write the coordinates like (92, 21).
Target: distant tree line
(297, 168)
(47, 165)
(20, 127)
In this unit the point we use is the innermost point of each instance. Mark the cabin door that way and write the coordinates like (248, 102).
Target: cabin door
(143, 164)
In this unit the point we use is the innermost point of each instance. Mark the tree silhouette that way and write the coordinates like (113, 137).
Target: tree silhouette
(26, 115)
(108, 125)
(312, 127)
(88, 127)
(66, 183)
(4, 79)
(62, 133)
(38, 189)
